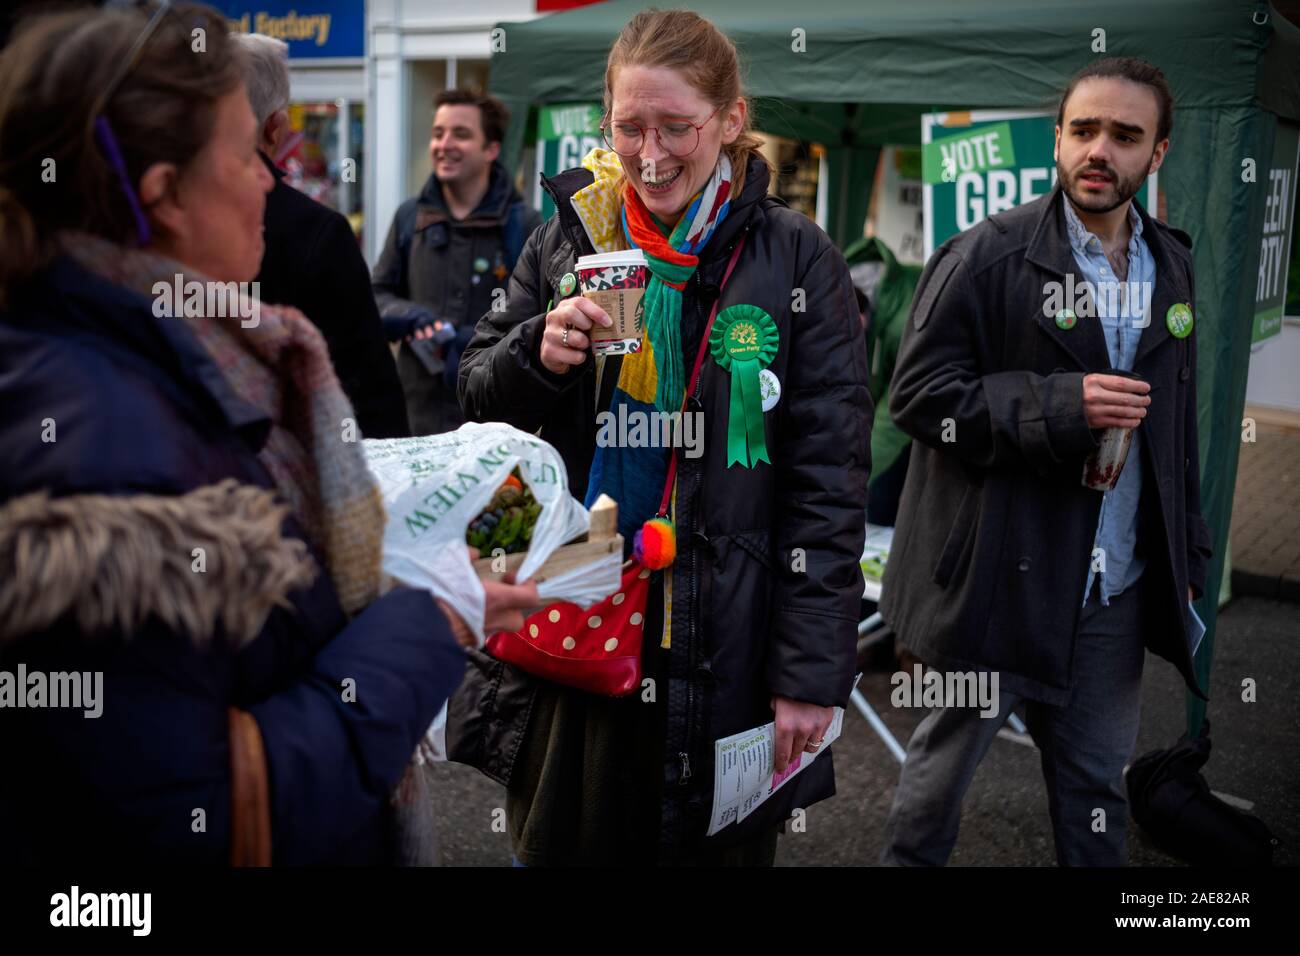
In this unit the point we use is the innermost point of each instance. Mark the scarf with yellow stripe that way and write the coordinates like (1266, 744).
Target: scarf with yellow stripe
(631, 468)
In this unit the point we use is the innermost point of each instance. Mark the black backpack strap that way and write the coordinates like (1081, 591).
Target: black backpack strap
(405, 236)
(512, 234)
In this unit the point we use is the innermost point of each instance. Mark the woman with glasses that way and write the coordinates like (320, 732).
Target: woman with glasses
(755, 620)
(195, 662)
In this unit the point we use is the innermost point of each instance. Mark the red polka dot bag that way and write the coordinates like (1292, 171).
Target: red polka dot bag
(598, 649)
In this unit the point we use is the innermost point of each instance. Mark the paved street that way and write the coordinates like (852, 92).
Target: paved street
(1256, 757)
(1265, 532)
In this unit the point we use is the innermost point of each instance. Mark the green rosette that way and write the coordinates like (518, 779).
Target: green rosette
(743, 342)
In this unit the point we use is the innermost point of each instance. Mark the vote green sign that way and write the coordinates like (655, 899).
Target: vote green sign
(976, 164)
(1275, 241)
(566, 132)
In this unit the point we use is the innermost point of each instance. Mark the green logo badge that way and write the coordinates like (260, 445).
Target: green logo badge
(568, 283)
(1179, 320)
(1066, 319)
(742, 340)
(480, 265)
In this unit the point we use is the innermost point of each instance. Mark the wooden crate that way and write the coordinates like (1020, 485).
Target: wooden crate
(602, 539)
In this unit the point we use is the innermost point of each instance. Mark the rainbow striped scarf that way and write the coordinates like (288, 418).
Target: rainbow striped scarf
(632, 472)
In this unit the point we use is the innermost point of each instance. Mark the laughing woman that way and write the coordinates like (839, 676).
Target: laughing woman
(763, 595)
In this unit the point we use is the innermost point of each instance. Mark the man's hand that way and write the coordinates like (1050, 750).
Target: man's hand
(1112, 401)
(798, 726)
(406, 324)
(437, 330)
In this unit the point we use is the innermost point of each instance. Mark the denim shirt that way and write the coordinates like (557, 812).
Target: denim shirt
(1124, 309)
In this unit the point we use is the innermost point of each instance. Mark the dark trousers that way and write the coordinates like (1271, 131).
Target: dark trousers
(1084, 746)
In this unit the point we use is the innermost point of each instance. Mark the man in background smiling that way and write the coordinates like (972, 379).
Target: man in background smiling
(448, 251)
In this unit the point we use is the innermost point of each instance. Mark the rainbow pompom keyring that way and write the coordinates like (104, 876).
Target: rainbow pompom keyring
(655, 545)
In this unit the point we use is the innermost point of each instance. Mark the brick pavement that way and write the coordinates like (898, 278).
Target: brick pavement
(1265, 531)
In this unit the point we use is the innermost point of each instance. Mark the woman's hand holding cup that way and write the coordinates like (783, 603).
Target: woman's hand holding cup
(564, 339)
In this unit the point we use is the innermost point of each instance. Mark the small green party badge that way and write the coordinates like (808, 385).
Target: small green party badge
(744, 341)
(1179, 320)
(480, 265)
(1066, 319)
(769, 389)
(568, 283)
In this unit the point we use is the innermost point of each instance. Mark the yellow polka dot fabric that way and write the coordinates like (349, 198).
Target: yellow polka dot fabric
(597, 205)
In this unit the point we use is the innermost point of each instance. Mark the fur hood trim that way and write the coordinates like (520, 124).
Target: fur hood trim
(213, 560)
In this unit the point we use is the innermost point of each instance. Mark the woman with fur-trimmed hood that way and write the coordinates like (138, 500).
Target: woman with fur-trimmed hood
(182, 514)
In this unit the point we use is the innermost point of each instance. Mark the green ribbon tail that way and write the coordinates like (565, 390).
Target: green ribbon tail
(736, 449)
(752, 401)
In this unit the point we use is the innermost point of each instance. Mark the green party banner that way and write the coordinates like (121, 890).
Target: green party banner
(566, 132)
(1275, 240)
(984, 148)
(984, 162)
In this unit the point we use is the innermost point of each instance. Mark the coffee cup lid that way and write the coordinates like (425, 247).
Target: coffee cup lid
(601, 260)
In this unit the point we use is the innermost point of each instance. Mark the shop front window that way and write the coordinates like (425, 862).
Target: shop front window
(473, 75)
(324, 154)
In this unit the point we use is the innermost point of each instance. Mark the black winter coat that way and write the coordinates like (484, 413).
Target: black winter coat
(745, 625)
(312, 263)
(137, 413)
(995, 531)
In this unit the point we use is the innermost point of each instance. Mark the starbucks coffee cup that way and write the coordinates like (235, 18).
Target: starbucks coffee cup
(616, 282)
(1103, 467)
